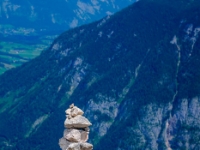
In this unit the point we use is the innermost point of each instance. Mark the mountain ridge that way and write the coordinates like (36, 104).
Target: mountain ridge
(134, 74)
(52, 13)
(28, 27)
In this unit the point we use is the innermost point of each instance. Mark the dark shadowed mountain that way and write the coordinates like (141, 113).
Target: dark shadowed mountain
(135, 75)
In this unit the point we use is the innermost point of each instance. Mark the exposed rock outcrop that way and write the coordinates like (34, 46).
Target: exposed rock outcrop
(76, 135)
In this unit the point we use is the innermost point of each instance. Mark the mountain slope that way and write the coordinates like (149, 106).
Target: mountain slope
(57, 15)
(135, 75)
(27, 27)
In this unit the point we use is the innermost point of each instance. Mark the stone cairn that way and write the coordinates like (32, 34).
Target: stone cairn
(76, 135)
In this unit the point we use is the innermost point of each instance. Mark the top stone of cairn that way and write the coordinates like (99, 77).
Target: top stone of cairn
(75, 119)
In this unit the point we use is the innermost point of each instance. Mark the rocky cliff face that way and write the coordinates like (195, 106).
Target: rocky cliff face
(135, 75)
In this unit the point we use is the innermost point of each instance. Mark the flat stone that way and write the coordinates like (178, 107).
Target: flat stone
(74, 146)
(75, 111)
(77, 122)
(68, 111)
(63, 143)
(86, 146)
(75, 135)
(80, 146)
(72, 135)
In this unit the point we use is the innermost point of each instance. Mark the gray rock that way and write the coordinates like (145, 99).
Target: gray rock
(63, 143)
(84, 136)
(75, 135)
(68, 111)
(74, 146)
(87, 129)
(77, 122)
(76, 111)
(80, 146)
(86, 146)
(72, 135)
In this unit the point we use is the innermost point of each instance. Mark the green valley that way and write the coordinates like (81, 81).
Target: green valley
(135, 74)
(18, 49)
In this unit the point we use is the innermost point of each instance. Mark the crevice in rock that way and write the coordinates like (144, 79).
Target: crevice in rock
(163, 140)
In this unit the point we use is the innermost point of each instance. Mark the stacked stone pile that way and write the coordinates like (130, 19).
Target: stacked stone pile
(76, 135)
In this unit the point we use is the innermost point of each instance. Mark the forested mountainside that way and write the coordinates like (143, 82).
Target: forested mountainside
(27, 26)
(135, 75)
